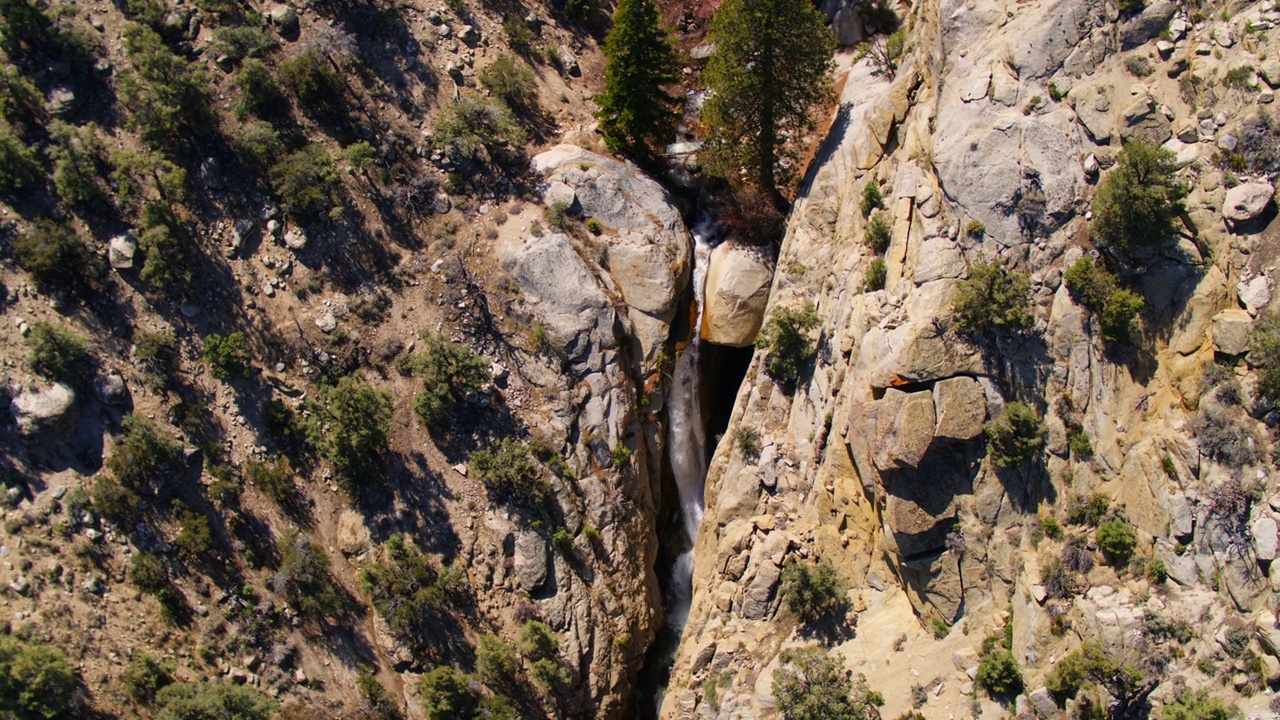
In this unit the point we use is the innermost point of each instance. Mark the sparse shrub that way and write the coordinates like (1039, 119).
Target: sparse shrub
(1223, 438)
(993, 300)
(227, 355)
(36, 681)
(1238, 77)
(144, 676)
(1079, 445)
(1200, 706)
(307, 184)
(512, 82)
(1139, 201)
(562, 540)
(748, 439)
(871, 198)
(476, 130)
(812, 684)
(113, 502)
(258, 143)
(275, 480)
(408, 591)
(259, 94)
(226, 487)
(518, 35)
(877, 275)
(77, 155)
(1076, 555)
(137, 173)
(878, 234)
(212, 701)
(1088, 511)
(1090, 665)
(580, 10)
(785, 338)
(142, 459)
(1116, 539)
(1098, 291)
(1055, 579)
(509, 472)
(1138, 65)
(1264, 353)
(348, 425)
(593, 226)
(975, 229)
(156, 355)
(1237, 641)
(56, 353)
(940, 628)
(449, 374)
(303, 577)
(147, 572)
(194, 540)
(812, 589)
(1015, 437)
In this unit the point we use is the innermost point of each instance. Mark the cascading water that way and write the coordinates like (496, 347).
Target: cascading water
(687, 437)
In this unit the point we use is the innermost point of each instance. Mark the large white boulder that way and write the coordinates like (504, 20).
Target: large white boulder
(738, 280)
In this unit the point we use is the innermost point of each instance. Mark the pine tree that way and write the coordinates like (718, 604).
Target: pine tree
(636, 113)
(771, 68)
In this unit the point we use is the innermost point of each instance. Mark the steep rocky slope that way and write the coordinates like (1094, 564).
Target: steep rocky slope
(988, 143)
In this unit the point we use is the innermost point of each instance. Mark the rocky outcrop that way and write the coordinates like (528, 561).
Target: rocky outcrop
(737, 291)
(1003, 123)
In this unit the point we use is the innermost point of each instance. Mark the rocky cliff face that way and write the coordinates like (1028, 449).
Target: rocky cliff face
(989, 142)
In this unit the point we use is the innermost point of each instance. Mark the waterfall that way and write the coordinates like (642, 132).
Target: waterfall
(687, 435)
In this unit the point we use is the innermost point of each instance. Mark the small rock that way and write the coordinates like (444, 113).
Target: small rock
(1246, 201)
(327, 323)
(1254, 293)
(59, 492)
(1091, 167)
(120, 251)
(20, 586)
(285, 20)
(559, 194)
(1222, 36)
(1264, 538)
(295, 239)
(111, 389)
(1230, 330)
(189, 311)
(461, 469)
(1227, 142)
(62, 103)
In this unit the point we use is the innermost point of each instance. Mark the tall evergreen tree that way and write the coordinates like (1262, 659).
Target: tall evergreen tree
(770, 69)
(636, 113)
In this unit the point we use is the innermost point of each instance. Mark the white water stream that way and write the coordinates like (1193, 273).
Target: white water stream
(687, 436)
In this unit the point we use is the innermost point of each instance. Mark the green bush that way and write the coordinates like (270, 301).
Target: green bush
(784, 338)
(536, 641)
(258, 143)
(57, 354)
(1098, 291)
(1200, 706)
(242, 41)
(496, 660)
(448, 693)
(1116, 539)
(476, 130)
(259, 94)
(36, 681)
(144, 676)
(1139, 201)
(162, 91)
(562, 540)
(407, 590)
(312, 80)
(194, 540)
(78, 166)
(115, 503)
(137, 173)
(879, 233)
(166, 265)
(993, 300)
(1264, 353)
(1079, 445)
(1015, 437)
(509, 473)
(1157, 571)
(212, 701)
(877, 275)
(142, 459)
(19, 166)
(275, 480)
(1088, 511)
(871, 198)
(303, 577)
(227, 355)
(1051, 528)
(998, 673)
(449, 373)
(348, 425)
(512, 82)
(812, 589)
(306, 183)
(580, 10)
(812, 684)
